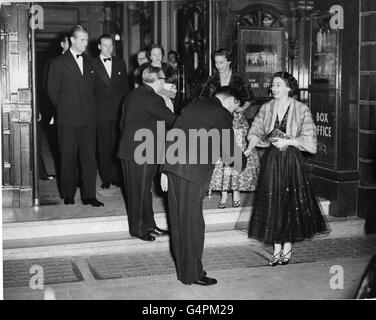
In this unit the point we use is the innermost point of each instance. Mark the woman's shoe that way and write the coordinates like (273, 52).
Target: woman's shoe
(222, 205)
(283, 259)
(275, 259)
(236, 204)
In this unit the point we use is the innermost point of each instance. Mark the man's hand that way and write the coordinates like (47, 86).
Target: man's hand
(164, 182)
(280, 143)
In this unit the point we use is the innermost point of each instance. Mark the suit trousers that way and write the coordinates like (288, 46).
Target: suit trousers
(107, 140)
(77, 142)
(42, 173)
(138, 181)
(187, 227)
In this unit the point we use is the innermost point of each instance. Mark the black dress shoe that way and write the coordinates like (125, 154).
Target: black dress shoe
(93, 201)
(159, 231)
(105, 185)
(69, 200)
(116, 183)
(147, 237)
(206, 281)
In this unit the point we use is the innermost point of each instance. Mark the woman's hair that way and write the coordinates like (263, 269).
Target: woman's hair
(224, 53)
(290, 81)
(156, 46)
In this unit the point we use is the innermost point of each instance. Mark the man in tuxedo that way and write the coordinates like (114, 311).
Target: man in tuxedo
(186, 181)
(70, 86)
(46, 125)
(110, 88)
(142, 108)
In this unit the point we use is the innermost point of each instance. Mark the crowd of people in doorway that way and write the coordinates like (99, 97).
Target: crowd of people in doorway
(97, 112)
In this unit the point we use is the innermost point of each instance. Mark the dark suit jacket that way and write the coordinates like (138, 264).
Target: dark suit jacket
(109, 92)
(72, 93)
(207, 114)
(142, 109)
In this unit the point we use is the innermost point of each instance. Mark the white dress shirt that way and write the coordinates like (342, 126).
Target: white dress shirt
(79, 60)
(107, 64)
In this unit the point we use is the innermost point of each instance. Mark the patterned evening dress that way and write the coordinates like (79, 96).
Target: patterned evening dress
(286, 208)
(225, 178)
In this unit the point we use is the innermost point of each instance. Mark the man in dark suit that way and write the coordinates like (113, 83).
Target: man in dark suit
(110, 88)
(46, 124)
(70, 87)
(142, 108)
(188, 178)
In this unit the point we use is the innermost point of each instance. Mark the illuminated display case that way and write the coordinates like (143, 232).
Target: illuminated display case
(261, 53)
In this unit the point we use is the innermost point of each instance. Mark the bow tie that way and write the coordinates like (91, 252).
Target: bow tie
(78, 55)
(106, 59)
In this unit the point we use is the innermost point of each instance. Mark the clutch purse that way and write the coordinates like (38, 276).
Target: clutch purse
(276, 133)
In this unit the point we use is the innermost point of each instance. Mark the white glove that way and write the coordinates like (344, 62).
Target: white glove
(164, 182)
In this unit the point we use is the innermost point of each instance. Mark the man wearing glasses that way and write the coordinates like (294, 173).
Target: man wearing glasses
(142, 60)
(142, 108)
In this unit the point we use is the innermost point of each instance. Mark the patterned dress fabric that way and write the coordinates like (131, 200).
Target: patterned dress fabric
(286, 208)
(225, 178)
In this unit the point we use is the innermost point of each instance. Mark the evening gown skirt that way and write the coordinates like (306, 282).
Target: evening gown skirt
(286, 208)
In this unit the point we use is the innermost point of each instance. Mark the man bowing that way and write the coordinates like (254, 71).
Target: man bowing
(142, 110)
(188, 178)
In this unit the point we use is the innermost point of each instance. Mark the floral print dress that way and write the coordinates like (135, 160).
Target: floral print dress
(225, 178)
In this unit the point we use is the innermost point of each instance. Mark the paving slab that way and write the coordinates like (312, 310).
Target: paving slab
(297, 282)
(241, 271)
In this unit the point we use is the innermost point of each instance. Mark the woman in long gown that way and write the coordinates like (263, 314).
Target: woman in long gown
(225, 178)
(286, 209)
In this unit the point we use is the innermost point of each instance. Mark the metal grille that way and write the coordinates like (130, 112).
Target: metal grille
(17, 273)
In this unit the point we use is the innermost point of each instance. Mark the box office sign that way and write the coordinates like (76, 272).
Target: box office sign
(323, 106)
(261, 53)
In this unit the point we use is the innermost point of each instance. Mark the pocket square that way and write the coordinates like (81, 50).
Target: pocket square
(119, 72)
